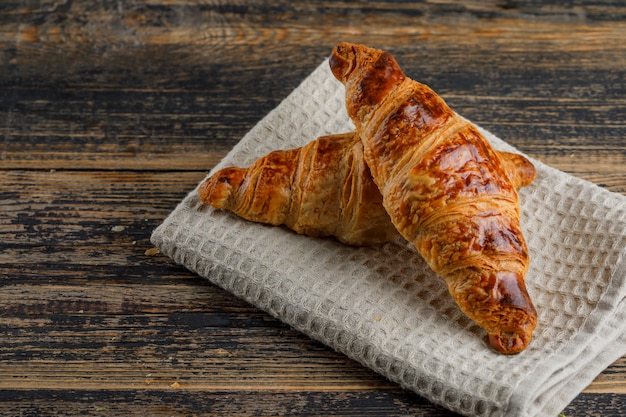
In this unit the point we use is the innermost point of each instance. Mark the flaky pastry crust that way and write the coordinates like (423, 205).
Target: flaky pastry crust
(446, 190)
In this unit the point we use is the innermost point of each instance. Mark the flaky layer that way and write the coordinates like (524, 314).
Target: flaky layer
(322, 189)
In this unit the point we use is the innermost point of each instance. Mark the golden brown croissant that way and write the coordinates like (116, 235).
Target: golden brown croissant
(321, 189)
(446, 190)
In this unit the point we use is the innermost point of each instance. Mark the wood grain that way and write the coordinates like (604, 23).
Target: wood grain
(111, 112)
(572, 95)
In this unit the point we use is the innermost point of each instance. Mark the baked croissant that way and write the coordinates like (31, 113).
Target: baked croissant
(321, 189)
(446, 191)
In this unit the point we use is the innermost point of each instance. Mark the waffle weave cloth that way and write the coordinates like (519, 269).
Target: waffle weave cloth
(383, 306)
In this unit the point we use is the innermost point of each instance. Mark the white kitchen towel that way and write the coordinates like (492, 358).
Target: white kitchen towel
(384, 307)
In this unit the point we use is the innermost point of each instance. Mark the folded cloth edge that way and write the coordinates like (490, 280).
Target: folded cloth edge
(579, 346)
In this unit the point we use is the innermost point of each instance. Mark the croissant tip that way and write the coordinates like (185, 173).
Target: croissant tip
(216, 190)
(530, 173)
(204, 191)
(509, 343)
(342, 60)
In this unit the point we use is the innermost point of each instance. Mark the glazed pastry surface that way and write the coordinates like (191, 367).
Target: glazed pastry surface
(446, 190)
(321, 189)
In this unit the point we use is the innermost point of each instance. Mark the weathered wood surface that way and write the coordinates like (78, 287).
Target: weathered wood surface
(111, 111)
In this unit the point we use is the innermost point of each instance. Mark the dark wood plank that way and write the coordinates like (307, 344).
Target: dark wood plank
(113, 101)
(182, 402)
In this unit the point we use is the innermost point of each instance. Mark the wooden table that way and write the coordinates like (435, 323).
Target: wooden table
(111, 111)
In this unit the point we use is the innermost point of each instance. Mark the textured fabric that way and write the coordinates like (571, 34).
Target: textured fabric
(384, 307)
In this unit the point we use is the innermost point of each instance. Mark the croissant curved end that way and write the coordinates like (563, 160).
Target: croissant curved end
(509, 343)
(217, 189)
(519, 169)
(527, 171)
(343, 60)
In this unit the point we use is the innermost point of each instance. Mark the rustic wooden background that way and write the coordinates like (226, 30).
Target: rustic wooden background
(111, 111)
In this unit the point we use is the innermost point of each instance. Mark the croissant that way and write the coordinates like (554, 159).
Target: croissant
(321, 189)
(446, 190)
